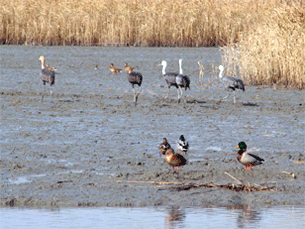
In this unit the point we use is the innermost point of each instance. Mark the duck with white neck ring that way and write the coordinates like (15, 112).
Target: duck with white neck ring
(247, 159)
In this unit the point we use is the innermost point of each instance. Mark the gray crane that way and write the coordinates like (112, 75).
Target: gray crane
(170, 78)
(135, 78)
(231, 83)
(183, 81)
(47, 76)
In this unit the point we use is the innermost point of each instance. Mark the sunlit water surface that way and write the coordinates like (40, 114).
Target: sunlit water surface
(159, 217)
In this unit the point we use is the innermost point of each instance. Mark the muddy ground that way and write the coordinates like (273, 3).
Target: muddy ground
(89, 145)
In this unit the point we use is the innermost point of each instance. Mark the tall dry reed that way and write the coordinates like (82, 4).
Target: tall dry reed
(133, 22)
(272, 52)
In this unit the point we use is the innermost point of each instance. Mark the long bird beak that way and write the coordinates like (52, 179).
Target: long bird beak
(160, 64)
(236, 147)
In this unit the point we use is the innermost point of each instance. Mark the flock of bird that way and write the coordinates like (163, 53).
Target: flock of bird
(176, 159)
(178, 80)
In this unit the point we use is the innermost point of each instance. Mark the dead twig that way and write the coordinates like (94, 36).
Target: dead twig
(290, 173)
(238, 181)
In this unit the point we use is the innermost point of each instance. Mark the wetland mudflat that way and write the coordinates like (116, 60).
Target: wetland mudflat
(90, 146)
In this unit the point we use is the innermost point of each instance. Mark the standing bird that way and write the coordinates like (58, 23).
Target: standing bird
(182, 145)
(164, 146)
(231, 83)
(128, 68)
(114, 69)
(47, 76)
(51, 68)
(174, 159)
(135, 78)
(183, 81)
(247, 159)
(170, 78)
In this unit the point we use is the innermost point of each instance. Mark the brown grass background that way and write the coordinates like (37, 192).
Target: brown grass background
(264, 39)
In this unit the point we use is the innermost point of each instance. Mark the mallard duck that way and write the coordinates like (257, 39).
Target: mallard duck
(114, 69)
(247, 159)
(164, 146)
(182, 145)
(127, 68)
(174, 159)
(51, 68)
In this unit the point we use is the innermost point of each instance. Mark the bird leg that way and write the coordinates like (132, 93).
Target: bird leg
(234, 99)
(137, 95)
(180, 95)
(51, 92)
(43, 93)
(134, 95)
(167, 93)
(225, 96)
(178, 92)
(250, 167)
(173, 168)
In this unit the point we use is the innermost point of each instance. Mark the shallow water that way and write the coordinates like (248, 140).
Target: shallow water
(91, 136)
(159, 217)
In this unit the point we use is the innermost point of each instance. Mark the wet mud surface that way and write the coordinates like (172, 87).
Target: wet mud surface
(89, 145)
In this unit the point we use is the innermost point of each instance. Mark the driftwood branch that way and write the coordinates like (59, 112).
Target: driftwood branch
(180, 186)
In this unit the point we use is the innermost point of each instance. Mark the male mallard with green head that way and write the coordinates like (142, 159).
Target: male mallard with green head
(174, 159)
(247, 159)
(164, 146)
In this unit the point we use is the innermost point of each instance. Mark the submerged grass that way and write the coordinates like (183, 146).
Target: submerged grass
(249, 28)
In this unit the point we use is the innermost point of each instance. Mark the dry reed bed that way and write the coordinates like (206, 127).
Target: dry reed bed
(265, 38)
(134, 22)
(272, 53)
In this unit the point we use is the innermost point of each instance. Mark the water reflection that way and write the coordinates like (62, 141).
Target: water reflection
(246, 216)
(160, 217)
(175, 216)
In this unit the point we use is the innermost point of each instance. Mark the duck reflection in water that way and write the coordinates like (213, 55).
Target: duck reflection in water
(175, 216)
(246, 217)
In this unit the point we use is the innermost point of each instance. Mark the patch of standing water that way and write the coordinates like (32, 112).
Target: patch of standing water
(160, 217)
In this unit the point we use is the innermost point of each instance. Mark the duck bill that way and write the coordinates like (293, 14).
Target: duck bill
(236, 147)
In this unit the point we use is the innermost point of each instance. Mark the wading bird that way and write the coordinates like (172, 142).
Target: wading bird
(164, 146)
(170, 78)
(183, 81)
(231, 83)
(182, 145)
(47, 76)
(135, 78)
(174, 159)
(247, 159)
(114, 69)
